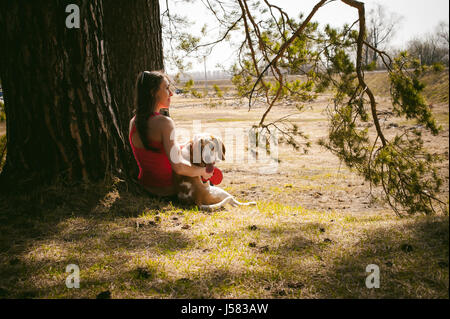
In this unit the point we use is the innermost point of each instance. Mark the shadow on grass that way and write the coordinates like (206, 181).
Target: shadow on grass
(47, 230)
(140, 283)
(310, 262)
(412, 256)
(96, 229)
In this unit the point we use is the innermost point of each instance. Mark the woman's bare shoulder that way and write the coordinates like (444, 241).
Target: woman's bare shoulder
(163, 121)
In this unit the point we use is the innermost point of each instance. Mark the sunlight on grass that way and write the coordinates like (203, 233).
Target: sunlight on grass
(272, 250)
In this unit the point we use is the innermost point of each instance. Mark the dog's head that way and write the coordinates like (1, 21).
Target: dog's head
(206, 149)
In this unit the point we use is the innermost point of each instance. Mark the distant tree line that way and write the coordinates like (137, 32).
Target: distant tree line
(430, 49)
(433, 47)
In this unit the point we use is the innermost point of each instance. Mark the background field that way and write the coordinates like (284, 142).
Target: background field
(312, 234)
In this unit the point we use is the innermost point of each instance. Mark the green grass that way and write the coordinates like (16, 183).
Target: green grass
(436, 85)
(139, 247)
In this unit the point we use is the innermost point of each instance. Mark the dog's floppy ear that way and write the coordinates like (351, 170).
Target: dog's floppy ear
(223, 151)
(219, 145)
(196, 150)
(191, 151)
(202, 148)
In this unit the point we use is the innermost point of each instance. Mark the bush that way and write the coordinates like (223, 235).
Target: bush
(188, 85)
(196, 94)
(438, 67)
(218, 91)
(371, 66)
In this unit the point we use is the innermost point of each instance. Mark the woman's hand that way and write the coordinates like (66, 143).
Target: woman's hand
(206, 175)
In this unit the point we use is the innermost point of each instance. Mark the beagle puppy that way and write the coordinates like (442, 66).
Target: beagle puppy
(203, 150)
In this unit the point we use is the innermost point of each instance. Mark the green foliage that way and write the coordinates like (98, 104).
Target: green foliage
(406, 91)
(438, 67)
(345, 140)
(371, 66)
(340, 71)
(340, 62)
(406, 171)
(196, 94)
(188, 42)
(218, 91)
(297, 59)
(188, 87)
(242, 82)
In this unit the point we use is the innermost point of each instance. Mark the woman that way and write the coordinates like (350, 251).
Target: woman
(152, 137)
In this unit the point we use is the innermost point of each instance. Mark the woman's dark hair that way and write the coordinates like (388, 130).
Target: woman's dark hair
(147, 85)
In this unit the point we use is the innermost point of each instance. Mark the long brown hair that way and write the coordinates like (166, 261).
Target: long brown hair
(147, 85)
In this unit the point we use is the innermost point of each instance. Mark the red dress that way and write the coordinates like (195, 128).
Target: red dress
(155, 169)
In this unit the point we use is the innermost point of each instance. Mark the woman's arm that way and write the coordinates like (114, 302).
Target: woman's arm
(172, 149)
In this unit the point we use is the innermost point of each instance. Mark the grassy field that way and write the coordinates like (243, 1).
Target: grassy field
(314, 230)
(136, 247)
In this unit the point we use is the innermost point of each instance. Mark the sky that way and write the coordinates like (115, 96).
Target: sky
(416, 19)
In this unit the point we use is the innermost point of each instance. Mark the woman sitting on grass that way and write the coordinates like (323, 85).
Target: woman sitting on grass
(152, 137)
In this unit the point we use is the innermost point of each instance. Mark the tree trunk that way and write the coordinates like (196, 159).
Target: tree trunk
(62, 120)
(134, 44)
(375, 45)
(366, 56)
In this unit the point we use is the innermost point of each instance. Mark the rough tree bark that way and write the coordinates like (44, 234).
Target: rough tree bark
(62, 119)
(134, 44)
